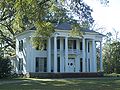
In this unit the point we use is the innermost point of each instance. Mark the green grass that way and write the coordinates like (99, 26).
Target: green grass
(62, 84)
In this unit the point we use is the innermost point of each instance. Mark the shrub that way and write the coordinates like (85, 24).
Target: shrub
(5, 67)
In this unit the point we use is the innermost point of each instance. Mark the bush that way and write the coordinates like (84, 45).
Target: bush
(5, 67)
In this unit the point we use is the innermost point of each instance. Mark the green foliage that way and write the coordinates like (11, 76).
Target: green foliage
(7, 31)
(19, 15)
(111, 57)
(5, 67)
(43, 32)
(76, 30)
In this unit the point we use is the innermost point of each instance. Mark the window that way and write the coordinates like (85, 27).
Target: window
(71, 44)
(88, 46)
(89, 64)
(45, 45)
(80, 45)
(41, 64)
(58, 64)
(58, 44)
(21, 45)
(20, 64)
(81, 65)
(74, 44)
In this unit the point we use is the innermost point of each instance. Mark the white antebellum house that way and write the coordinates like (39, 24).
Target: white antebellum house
(62, 53)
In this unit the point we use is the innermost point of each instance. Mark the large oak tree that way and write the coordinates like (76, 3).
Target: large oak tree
(19, 15)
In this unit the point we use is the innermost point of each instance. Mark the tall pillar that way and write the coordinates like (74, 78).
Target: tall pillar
(94, 56)
(87, 68)
(77, 60)
(101, 63)
(49, 55)
(55, 54)
(61, 56)
(66, 54)
(83, 45)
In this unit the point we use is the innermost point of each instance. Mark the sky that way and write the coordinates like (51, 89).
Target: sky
(107, 17)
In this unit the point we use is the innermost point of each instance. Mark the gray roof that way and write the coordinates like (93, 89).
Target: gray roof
(63, 26)
(68, 26)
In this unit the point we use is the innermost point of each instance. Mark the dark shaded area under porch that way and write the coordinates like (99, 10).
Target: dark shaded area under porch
(65, 75)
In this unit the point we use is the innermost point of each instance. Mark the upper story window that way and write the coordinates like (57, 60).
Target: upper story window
(58, 44)
(71, 44)
(21, 45)
(88, 46)
(80, 45)
(43, 47)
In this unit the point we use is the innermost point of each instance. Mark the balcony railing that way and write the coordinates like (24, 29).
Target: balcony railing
(70, 51)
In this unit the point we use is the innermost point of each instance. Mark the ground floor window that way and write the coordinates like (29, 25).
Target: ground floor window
(81, 65)
(20, 64)
(89, 64)
(58, 64)
(41, 64)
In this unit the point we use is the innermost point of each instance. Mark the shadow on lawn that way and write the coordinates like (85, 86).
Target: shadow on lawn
(64, 84)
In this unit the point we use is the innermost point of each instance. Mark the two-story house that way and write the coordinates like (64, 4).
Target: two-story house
(62, 53)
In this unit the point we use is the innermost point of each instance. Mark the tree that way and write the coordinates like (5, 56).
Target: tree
(19, 15)
(5, 67)
(42, 14)
(6, 28)
(111, 51)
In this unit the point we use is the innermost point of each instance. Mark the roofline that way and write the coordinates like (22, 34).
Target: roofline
(93, 33)
(26, 31)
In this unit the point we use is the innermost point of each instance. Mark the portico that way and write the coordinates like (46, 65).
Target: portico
(74, 54)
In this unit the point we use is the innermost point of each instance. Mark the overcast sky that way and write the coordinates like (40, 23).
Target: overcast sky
(108, 17)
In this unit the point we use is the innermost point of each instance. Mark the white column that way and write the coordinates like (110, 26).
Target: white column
(87, 68)
(55, 54)
(49, 55)
(101, 63)
(94, 56)
(77, 60)
(66, 54)
(83, 45)
(61, 56)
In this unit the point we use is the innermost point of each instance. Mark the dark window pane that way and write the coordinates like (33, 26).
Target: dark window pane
(81, 65)
(20, 64)
(58, 64)
(80, 45)
(74, 44)
(21, 45)
(88, 47)
(58, 44)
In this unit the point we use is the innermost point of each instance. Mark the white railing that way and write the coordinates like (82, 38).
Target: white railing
(70, 51)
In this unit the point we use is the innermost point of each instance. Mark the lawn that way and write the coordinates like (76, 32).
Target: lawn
(106, 83)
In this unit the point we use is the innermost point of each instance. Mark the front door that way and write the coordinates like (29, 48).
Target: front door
(71, 65)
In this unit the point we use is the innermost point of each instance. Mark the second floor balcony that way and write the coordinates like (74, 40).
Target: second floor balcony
(70, 51)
